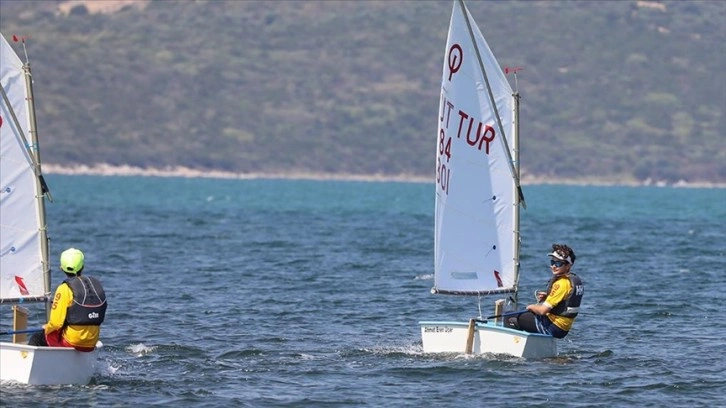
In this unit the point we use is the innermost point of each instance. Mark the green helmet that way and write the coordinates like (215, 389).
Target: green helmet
(71, 261)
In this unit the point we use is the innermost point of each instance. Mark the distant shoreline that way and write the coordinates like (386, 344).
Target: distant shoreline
(186, 172)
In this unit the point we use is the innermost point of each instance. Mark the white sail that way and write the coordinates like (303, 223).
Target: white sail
(22, 263)
(476, 248)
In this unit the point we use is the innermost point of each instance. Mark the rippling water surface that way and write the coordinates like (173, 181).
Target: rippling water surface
(308, 293)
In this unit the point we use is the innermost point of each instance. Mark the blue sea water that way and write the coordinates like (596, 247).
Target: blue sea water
(285, 293)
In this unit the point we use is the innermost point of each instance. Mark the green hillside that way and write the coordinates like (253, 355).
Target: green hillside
(611, 90)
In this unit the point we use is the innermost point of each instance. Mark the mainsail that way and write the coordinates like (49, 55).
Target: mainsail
(477, 198)
(24, 269)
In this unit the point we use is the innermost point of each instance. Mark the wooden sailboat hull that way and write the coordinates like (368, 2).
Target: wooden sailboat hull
(46, 365)
(452, 337)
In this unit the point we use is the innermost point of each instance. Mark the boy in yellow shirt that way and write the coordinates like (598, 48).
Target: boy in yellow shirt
(560, 304)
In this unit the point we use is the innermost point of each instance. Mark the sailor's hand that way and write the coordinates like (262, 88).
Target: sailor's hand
(541, 296)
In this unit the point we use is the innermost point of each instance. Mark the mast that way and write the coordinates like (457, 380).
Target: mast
(517, 195)
(41, 188)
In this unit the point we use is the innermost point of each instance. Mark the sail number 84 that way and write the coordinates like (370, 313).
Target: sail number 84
(443, 172)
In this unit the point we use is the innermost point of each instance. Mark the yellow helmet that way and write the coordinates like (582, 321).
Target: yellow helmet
(71, 261)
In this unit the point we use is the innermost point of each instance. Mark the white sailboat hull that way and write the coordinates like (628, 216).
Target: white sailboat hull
(451, 337)
(46, 365)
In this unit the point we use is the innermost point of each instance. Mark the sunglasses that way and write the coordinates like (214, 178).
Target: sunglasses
(557, 264)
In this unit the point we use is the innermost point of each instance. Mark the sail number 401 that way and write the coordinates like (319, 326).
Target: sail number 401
(443, 172)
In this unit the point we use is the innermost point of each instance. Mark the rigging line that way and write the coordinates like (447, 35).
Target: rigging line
(17, 125)
(491, 95)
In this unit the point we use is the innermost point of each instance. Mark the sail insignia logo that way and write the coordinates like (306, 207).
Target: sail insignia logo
(21, 286)
(456, 57)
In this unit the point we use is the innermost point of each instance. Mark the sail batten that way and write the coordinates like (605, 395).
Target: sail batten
(476, 250)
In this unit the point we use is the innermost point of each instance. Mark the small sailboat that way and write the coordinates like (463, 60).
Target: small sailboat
(24, 266)
(478, 199)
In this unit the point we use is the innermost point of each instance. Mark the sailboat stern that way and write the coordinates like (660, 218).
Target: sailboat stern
(46, 365)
